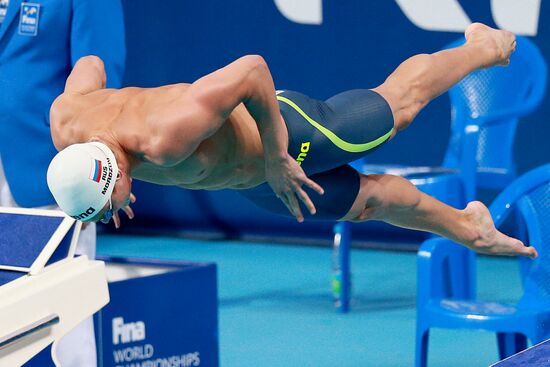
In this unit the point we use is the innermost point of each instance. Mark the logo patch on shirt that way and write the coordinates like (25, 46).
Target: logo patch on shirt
(28, 19)
(3, 10)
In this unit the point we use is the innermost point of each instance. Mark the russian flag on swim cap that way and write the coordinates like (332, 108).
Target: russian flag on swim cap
(95, 173)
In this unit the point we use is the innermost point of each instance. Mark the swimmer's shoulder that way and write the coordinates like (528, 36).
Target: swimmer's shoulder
(63, 108)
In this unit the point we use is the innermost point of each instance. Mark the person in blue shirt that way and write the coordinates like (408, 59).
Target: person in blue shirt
(40, 41)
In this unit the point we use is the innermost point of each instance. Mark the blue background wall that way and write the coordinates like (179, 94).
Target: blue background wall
(357, 45)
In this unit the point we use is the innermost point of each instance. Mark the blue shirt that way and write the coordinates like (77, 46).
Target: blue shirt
(33, 68)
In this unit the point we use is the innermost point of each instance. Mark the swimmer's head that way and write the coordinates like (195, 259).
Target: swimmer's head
(82, 178)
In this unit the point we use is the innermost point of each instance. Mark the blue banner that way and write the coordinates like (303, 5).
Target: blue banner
(169, 319)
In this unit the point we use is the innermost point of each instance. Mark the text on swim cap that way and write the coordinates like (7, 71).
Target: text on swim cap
(85, 214)
(107, 176)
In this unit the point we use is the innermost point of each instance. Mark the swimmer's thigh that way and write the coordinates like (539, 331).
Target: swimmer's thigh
(340, 130)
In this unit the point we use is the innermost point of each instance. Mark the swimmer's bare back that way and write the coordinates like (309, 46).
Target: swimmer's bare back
(131, 116)
(198, 136)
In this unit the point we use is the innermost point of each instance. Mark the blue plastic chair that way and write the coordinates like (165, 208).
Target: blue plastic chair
(440, 301)
(485, 108)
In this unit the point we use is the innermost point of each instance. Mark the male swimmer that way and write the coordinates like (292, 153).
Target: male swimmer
(230, 129)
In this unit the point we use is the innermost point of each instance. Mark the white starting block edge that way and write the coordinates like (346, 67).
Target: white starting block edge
(36, 310)
(41, 261)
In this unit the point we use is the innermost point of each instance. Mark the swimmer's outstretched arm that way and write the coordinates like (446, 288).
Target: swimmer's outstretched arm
(209, 102)
(88, 75)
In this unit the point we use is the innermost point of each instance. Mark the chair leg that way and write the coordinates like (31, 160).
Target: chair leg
(510, 344)
(422, 341)
(341, 279)
(461, 269)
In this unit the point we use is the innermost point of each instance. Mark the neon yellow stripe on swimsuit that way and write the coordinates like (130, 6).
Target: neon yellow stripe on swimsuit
(342, 144)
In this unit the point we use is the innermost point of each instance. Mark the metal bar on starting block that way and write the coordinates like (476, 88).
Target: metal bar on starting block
(66, 292)
(29, 329)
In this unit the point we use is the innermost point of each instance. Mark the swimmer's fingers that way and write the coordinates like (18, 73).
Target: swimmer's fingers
(297, 190)
(116, 217)
(285, 197)
(129, 211)
(286, 178)
(313, 185)
(294, 206)
(116, 220)
(306, 200)
(127, 208)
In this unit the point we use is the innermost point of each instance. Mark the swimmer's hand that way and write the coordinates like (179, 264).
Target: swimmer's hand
(126, 209)
(286, 177)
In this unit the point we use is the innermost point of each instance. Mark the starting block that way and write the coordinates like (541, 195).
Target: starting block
(44, 290)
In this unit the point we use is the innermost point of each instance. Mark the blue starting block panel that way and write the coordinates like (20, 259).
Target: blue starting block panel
(536, 356)
(161, 313)
(31, 239)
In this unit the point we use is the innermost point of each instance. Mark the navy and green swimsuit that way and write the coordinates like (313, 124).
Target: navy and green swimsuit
(324, 137)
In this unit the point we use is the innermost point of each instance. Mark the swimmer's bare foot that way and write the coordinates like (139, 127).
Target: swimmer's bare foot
(488, 239)
(497, 44)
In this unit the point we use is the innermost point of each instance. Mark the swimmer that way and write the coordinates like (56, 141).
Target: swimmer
(283, 150)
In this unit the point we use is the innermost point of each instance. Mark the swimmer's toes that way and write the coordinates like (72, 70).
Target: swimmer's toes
(516, 247)
(529, 252)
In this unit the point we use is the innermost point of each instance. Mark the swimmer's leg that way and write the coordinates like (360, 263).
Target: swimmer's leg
(423, 77)
(395, 200)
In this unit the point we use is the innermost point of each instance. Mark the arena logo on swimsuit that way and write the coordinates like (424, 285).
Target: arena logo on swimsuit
(304, 149)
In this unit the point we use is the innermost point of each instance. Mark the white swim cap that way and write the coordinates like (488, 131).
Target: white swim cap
(81, 178)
